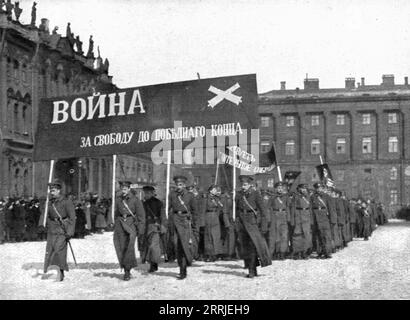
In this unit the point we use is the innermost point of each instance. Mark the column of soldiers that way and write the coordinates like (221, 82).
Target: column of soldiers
(201, 226)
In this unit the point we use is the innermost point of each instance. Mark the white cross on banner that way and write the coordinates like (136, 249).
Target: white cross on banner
(221, 95)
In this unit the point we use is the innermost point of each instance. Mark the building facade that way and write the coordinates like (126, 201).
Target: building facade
(361, 131)
(34, 64)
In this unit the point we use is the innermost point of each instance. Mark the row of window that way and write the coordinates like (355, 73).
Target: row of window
(340, 120)
(315, 146)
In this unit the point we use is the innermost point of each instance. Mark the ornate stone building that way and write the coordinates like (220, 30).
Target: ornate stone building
(362, 132)
(34, 64)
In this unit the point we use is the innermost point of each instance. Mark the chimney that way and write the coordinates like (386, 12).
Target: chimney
(388, 80)
(362, 79)
(44, 26)
(350, 83)
(406, 81)
(283, 85)
(311, 84)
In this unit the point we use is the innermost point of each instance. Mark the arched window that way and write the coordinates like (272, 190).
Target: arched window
(16, 66)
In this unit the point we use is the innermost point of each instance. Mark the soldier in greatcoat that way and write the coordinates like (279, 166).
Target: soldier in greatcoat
(321, 223)
(182, 208)
(214, 212)
(198, 219)
(129, 216)
(301, 221)
(155, 226)
(228, 230)
(60, 228)
(331, 206)
(280, 218)
(249, 209)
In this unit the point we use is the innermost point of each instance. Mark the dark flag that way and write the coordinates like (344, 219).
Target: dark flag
(325, 175)
(268, 159)
(290, 177)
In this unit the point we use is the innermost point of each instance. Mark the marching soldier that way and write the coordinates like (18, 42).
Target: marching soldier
(301, 221)
(228, 232)
(213, 210)
(280, 218)
(249, 207)
(197, 221)
(155, 221)
(323, 235)
(182, 208)
(60, 228)
(129, 223)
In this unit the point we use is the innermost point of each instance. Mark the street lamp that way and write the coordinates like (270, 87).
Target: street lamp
(79, 162)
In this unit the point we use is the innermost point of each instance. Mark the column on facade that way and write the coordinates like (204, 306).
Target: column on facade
(300, 117)
(100, 178)
(378, 135)
(91, 174)
(3, 93)
(326, 135)
(352, 141)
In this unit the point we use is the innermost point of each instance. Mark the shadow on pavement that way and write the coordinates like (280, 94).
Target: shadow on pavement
(233, 273)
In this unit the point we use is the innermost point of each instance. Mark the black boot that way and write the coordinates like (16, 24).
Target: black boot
(153, 267)
(61, 274)
(182, 273)
(127, 275)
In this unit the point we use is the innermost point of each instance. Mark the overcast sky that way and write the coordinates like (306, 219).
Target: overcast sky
(159, 41)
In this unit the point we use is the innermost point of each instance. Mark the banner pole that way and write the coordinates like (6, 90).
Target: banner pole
(217, 170)
(321, 160)
(168, 182)
(114, 166)
(50, 178)
(279, 173)
(234, 187)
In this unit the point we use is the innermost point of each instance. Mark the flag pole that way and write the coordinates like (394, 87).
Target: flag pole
(234, 187)
(277, 166)
(50, 178)
(114, 167)
(168, 182)
(321, 160)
